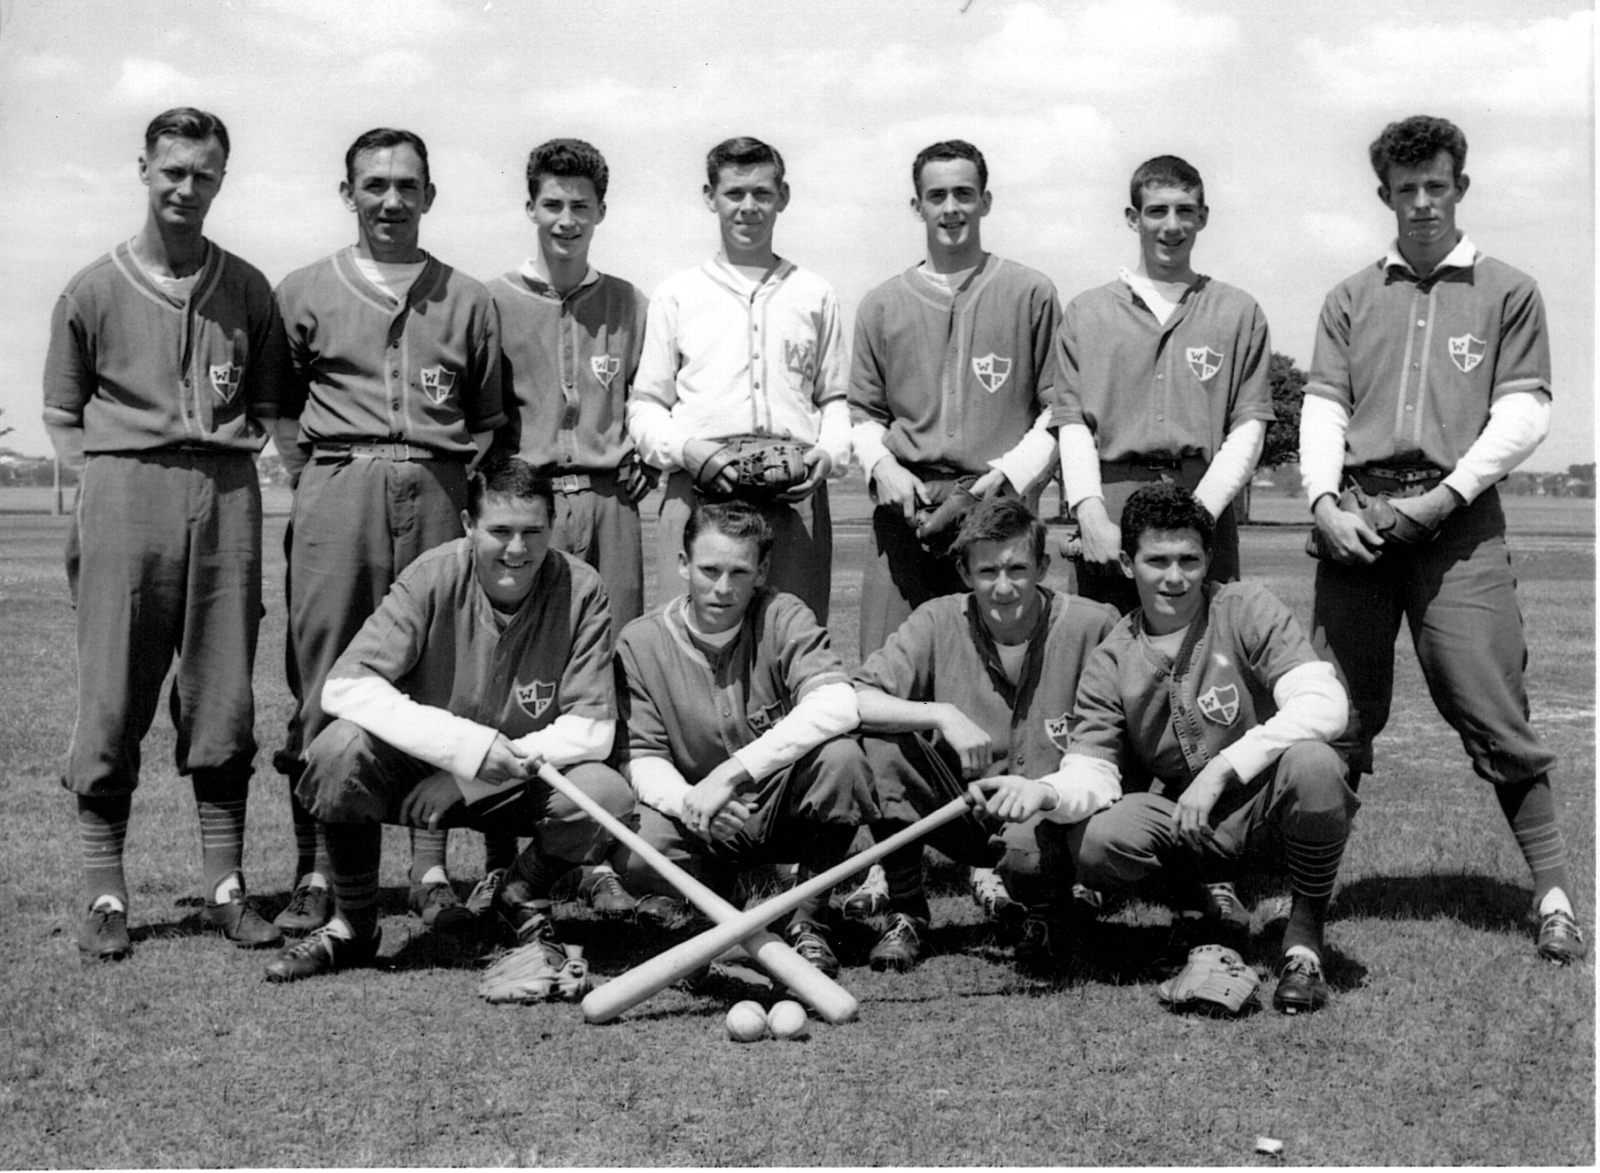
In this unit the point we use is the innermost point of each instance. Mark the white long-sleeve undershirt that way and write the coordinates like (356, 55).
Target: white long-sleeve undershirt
(1312, 706)
(1024, 465)
(1227, 473)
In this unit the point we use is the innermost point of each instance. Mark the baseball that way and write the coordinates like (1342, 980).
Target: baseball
(787, 1020)
(747, 1022)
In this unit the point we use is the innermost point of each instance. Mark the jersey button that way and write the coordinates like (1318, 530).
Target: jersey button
(1160, 378)
(1422, 321)
(1409, 406)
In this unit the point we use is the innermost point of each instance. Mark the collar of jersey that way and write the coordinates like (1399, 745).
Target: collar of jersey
(725, 275)
(1463, 256)
(533, 284)
(344, 264)
(128, 265)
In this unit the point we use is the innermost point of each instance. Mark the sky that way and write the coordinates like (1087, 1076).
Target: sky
(1275, 101)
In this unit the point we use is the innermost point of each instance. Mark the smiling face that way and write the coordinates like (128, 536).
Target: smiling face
(184, 176)
(565, 214)
(1169, 571)
(747, 201)
(1168, 220)
(723, 575)
(510, 538)
(1424, 200)
(389, 192)
(1004, 579)
(952, 204)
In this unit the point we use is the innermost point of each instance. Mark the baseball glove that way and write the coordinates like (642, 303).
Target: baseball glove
(939, 518)
(637, 478)
(537, 972)
(764, 467)
(1214, 981)
(1392, 525)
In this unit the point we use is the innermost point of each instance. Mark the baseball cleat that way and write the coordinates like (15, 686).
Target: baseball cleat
(871, 898)
(806, 939)
(604, 893)
(236, 920)
(1301, 988)
(321, 952)
(1560, 940)
(660, 912)
(438, 906)
(897, 949)
(1225, 907)
(989, 890)
(104, 935)
(308, 909)
(486, 891)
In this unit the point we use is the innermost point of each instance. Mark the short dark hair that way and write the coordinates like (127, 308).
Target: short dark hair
(1000, 519)
(379, 138)
(508, 476)
(951, 148)
(1164, 506)
(732, 519)
(1414, 142)
(1165, 171)
(568, 158)
(742, 151)
(186, 122)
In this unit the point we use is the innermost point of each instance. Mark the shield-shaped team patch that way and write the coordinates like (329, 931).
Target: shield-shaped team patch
(1466, 352)
(762, 719)
(1057, 728)
(535, 698)
(1203, 361)
(992, 371)
(225, 379)
(1219, 704)
(605, 367)
(436, 384)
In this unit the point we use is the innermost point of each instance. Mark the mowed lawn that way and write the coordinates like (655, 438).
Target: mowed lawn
(1446, 1042)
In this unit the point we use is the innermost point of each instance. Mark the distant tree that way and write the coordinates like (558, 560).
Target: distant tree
(1578, 472)
(1283, 433)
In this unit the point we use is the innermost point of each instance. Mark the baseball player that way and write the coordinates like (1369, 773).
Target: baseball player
(165, 362)
(747, 343)
(1209, 713)
(571, 337)
(951, 375)
(1429, 383)
(1162, 376)
(738, 711)
(490, 656)
(396, 357)
(991, 673)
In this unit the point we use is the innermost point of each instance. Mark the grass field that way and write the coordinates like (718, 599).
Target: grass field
(1446, 1041)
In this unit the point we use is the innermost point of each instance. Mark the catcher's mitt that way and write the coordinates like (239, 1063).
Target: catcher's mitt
(1392, 525)
(537, 972)
(939, 518)
(764, 467)
(1215, 980)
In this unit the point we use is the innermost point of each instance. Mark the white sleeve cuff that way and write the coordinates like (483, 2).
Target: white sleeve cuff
(1028, 462)
(1080, 464)
(1323, 424)
(1084, 785)
(826, 712)
(1518, 423)
(1312, 706)
(868, 438)
(571, 739)
(659, 785)
(658, 437)
(428, 734)
(1232, 466)
(833, 434)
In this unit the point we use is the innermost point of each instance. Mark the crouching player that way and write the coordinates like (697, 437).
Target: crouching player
(738, 711)
(991, 672)
(490, 656)
(1208, 707)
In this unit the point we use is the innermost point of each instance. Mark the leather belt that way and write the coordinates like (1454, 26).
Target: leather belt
(383, 451)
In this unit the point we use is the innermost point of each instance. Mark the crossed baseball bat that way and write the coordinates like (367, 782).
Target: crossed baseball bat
(734, 928)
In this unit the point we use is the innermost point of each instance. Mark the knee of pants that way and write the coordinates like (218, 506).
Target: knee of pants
(837, 783)
(567, 832)
(1122, 845)
(666, 837)
(1316, 794)
(336, 785)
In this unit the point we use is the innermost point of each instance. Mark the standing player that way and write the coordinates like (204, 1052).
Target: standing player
(748, 343)
(165, 362)
(738, 710)
(1162, 376)
(490, 656)
(1430, 382)
(397, 356)
(571, 337)
(992, 674)
(1209, 711)
(952, 371)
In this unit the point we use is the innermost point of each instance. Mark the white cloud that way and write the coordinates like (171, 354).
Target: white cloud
(393, 67)
(46, 67)
(144, 82)
(1542, 67)
(1345, 234)
(320, 28)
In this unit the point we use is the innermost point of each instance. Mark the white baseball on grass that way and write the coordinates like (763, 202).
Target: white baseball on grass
(747, 1022)
(787, 1020)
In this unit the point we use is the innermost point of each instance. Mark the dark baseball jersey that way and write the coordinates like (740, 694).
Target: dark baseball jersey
(945, 653)
(1160, 720)
(695, 705)
(957, 377)
(137, 369)
(1417, 362)
(424, 371)
(569, 362)
(1173, 390)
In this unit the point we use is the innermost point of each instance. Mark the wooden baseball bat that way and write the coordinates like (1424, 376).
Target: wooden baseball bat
(810, 984)
(627, 990)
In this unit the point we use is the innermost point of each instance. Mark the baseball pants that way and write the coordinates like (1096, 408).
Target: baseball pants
(599, 526)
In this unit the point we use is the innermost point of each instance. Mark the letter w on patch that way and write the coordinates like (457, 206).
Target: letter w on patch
(436, 384)
(1203, 361)
(1220, 703)
(225, 379)
(1058, 729)
(992, 371)
(535, 698)
(605, 367)
(1467, 352)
